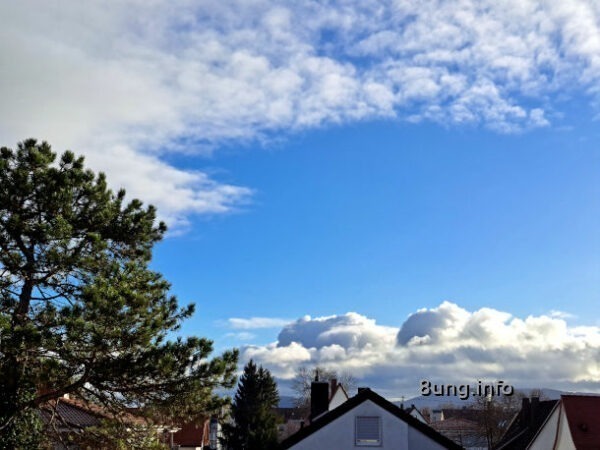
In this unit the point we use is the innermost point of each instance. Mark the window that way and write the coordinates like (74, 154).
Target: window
(368, 431)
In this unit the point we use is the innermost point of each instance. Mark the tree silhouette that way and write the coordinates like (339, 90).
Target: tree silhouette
(80, 310)
(253, 424)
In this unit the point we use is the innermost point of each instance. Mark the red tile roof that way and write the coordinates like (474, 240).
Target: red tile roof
(583, 415)
(194, 434)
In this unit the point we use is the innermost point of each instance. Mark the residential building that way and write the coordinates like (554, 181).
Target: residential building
(67, 418)
(573, 424)
(461, 425)
(414, 411)
(365, 420)
(293, 419)
(526, 423)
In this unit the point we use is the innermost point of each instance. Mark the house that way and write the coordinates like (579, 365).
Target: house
(463, 431)
(437, 415)
(573, 423)
(337, 394)
(526, 424)
(365, 420)
(462, 426)
(293, 419)
(67, 418)
(196, 435)
(67, 415)
(290, 420)
(414, 411)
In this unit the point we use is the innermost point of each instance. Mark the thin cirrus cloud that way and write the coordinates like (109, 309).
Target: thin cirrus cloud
(445, 344)
(131, 83)
(254, 323)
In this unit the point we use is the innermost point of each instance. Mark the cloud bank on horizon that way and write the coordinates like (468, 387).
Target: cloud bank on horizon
(446, 344)
(131, 83)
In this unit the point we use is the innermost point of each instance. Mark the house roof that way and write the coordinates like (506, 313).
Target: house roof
(411, 409)
(74, 412)
(69, 414)
(525, 425)
(362, 396)
(336, 389)
(583, 415)
(465, 413)
(415, 409)
(454, 424)
(193, 434)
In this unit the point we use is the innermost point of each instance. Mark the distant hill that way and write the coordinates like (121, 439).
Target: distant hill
(434, 402)
(286, 401)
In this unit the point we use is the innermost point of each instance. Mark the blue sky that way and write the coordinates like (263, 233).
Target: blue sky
(339, 176)
(382, 218)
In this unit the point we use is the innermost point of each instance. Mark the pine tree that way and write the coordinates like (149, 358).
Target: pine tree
(80, 310)
(254, 422)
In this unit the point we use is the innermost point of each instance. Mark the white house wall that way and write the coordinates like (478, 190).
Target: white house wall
(338, 398)
(546, 436)
(339, 434)
(417, 415)
(565, 440)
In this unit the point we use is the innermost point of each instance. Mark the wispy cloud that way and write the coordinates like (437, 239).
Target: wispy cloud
(241, 336)
(254, 323)
(561, 314)
(446, 344)
(130, 84)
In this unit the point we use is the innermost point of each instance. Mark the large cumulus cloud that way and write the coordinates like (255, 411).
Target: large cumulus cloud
(446, 344)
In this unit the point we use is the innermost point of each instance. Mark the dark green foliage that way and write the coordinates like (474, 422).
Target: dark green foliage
(80, 311)
(254, 422)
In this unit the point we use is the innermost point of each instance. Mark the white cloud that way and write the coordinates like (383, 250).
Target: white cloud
(281, 360)
(148, 79)
(561, 314)
(446, 344)
(241, 336)
(253, 323)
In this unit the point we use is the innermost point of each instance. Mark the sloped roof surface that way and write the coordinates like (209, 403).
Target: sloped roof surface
(69, 413)
(583, 415)
(79, 413)
(523, 428)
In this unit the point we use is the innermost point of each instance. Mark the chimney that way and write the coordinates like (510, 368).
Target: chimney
(319, 397)
(535, 403)
(361, 389)
(525, 410)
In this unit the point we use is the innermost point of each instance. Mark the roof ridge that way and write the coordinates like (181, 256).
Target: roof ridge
(362, 396)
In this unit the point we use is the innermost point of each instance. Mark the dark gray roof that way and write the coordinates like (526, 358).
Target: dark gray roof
(525, 425)
(69, 414)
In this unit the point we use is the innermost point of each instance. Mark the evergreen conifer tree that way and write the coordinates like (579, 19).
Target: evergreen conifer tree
(253, 424)
(80, 310)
